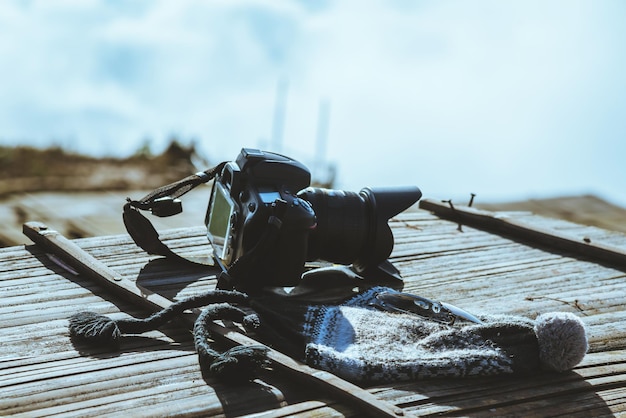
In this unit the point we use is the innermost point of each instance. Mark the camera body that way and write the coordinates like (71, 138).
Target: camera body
(263, 199)
(245, 196)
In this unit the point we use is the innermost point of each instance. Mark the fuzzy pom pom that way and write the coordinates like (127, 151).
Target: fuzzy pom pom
(562, 340)
(95, 329)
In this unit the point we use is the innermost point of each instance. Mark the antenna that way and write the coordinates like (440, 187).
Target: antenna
(280, 108)
(322, 168)
(322, 131)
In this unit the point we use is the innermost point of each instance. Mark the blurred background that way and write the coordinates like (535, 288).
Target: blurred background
(518, 102)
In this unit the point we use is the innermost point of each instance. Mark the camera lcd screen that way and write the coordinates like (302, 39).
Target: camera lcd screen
(268, 197)
(222, 208)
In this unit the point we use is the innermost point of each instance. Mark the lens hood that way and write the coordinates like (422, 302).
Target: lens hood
(383, 203)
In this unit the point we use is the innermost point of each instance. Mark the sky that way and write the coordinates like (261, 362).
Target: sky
(506, 99)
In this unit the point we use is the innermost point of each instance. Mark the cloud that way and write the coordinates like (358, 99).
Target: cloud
(486, 96)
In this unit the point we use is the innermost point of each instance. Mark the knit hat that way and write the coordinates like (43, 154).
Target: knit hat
(361, 343)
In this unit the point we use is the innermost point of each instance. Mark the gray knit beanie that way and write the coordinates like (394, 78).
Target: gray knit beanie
(359, 342)
(366, 345)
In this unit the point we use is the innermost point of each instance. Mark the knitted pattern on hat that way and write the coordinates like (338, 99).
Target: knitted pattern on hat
(365, 345)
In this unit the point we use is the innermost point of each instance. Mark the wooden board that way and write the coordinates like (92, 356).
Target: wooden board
(43, 374)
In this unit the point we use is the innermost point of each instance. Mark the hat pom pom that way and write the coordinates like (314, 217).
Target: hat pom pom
(562, 340)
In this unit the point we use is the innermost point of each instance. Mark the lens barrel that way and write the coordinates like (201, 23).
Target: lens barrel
(353, 227)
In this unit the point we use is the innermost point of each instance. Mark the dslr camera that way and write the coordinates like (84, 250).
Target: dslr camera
(263, 210)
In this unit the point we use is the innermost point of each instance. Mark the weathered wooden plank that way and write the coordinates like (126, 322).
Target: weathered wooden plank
(472, 269)
(524, 230)
(522, 279)
(103, 390)
(517, 396)
(170, 401)
(95, 378)
(89, 266)
(307, 409)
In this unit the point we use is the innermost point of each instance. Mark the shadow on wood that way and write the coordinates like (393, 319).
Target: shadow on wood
(538, 395)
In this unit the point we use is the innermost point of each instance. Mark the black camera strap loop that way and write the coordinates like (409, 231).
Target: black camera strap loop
(162, 202)
(176, 189)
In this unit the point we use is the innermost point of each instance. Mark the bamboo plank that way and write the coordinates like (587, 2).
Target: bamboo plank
(309, 407)
(88, 265)
(95, 379)
(518, 396)
(516, 227)
(473, 269)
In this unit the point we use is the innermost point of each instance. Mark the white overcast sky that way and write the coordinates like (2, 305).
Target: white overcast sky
(506, 99)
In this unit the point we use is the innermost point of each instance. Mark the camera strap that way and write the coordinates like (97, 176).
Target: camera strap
(162, 202)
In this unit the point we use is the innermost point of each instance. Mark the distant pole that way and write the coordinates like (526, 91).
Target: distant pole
(322, 134)
(280, 108)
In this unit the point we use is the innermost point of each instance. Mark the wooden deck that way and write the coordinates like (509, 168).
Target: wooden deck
(43, 374)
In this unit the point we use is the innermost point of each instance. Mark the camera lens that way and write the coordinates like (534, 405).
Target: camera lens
(352, 227)
(342, 224)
